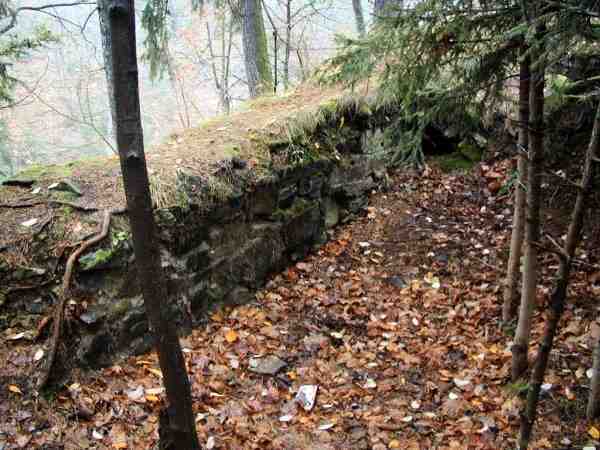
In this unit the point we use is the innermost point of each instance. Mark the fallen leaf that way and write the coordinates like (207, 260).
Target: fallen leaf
(231, 336)
(14, 389)
(156, 372)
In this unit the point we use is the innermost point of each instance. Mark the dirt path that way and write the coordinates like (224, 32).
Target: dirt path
(395, 320)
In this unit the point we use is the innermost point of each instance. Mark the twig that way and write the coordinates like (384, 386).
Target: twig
(30, 287)
(43, 225)
(485, 263)
(554, 251)
(389, 426)
(20, 205)
(60, 306)
(72, 205)
(559, 247)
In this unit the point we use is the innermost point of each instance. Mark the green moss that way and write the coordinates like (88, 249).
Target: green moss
(453, 161)
(38, 171)
(95, 259)
(102, 256)
(64, 196)
(298, 207)
(231, 150)
(518, 387)
(119, 308)
(262, 50)
(207, 123)
(470, 151)
(54, 171)
(330, 107)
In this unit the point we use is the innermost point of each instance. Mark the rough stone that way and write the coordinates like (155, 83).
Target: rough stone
(396, 281)
(220, 253)
(65, 186)
(315, 342)
(95, 350)
(331, 211)
(266, 365)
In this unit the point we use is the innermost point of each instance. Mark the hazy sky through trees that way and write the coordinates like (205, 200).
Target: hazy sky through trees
(62, 107)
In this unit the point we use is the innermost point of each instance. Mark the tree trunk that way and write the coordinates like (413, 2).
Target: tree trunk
(557, 300)
(359, 17)
(593, 406)
(256, 54)
(511, 292)
(106, 56)
(532, 226)
(288, 43)
(226, 43)
(386, 8)
(180, 432)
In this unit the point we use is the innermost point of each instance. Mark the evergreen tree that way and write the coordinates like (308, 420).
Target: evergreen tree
(14, 46)
(442, 61)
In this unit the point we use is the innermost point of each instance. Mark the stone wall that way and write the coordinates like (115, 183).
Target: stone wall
(222, 254)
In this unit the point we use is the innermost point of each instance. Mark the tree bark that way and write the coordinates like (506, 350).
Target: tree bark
(532, 226)
(386, 8)
(559, 294)
(256, 54)
(288, 43)
(359, 17)
(511, 292)
(593, 406)
(181, 431)
(106, 41)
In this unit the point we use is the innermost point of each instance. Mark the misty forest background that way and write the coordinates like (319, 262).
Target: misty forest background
(59, 109)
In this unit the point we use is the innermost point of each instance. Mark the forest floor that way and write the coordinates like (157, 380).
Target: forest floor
(396, 320)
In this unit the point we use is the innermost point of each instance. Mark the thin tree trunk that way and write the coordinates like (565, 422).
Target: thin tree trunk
(359, 17)
(180, 432)
(227, 68)
(386, 8)
(213, 66)
(106, 55)
(511, 291)
(225, 52)
(288, 43)
(593, 406)
(532, 226)
(256, 54)
(557, 300)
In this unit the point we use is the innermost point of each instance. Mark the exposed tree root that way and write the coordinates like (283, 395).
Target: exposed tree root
(51, 203)
(59, 311)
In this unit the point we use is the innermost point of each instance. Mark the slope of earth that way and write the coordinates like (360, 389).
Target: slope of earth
(395, 320)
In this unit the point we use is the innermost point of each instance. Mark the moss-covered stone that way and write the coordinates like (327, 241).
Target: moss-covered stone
(225, 230)
(470, 151)
(103, 257)
(452, 162)
(38, 171)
